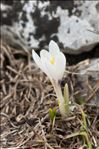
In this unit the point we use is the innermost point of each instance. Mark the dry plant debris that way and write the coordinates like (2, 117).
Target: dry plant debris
(25, 98)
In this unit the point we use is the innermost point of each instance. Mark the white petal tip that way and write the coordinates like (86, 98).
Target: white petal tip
(52, 42)
(53, 47)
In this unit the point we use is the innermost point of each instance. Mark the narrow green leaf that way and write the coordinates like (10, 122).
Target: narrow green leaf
(52, 113)
(66, 94)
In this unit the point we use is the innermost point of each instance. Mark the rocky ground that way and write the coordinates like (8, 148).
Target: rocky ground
(27, 94)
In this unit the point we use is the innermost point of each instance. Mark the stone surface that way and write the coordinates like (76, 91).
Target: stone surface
(74, 25)
(87, 81)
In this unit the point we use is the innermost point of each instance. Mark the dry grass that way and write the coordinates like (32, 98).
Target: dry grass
(26, 96)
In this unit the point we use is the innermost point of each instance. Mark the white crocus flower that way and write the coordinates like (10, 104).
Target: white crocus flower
(53, 64)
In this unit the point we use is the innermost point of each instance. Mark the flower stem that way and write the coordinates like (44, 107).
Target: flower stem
(63, 105)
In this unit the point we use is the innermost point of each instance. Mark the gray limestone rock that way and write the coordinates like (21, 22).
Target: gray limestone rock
(74, 25)
(87, 81)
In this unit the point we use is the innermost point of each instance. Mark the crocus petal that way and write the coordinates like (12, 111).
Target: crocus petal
(50, 69)
(57, 70)
(45, 58)
(60, 65)
(37, 60)
(44, 54)
(53, 48)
